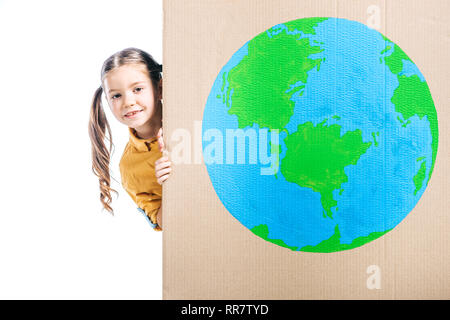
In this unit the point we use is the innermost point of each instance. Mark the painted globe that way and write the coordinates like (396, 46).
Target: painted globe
(320, 135)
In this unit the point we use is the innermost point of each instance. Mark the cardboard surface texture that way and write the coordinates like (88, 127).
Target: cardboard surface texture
(211, 249)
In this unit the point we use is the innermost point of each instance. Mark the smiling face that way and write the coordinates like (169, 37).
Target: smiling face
(130, 96)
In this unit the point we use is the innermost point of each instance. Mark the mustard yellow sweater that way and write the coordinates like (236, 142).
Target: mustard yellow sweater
(137, 171)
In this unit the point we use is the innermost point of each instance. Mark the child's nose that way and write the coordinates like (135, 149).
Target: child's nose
(130, 99)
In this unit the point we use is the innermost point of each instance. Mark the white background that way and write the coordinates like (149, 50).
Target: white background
(55, 240)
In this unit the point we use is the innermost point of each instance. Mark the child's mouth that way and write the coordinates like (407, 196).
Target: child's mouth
(132, 114)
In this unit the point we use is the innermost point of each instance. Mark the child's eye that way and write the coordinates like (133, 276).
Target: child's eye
(116, 96)
(138, 89)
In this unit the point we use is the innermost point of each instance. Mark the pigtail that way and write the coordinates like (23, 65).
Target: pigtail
(99, 130)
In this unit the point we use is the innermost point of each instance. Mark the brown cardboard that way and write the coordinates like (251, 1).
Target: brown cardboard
(207, 253)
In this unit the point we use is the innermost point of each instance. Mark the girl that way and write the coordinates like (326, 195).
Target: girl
(132, 83)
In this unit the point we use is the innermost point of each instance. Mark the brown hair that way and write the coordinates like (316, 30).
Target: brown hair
(99, 129)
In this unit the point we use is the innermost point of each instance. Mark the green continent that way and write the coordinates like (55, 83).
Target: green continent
(316, 158)
(260, 81)
(334, 244)
(304, 25)
(395, 60)
(420, 176)
(263, 232)
(413, 97)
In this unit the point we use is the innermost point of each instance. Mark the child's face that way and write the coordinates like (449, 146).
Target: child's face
(130, 95)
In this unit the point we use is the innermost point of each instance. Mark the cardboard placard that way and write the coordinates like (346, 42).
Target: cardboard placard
(212, 246)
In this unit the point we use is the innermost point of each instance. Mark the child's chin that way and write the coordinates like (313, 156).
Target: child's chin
(134, 123)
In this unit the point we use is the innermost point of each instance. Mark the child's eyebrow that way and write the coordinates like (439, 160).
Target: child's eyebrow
(132, 85)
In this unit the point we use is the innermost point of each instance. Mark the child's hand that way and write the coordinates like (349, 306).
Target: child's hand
(162, 165)
(162, 145)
